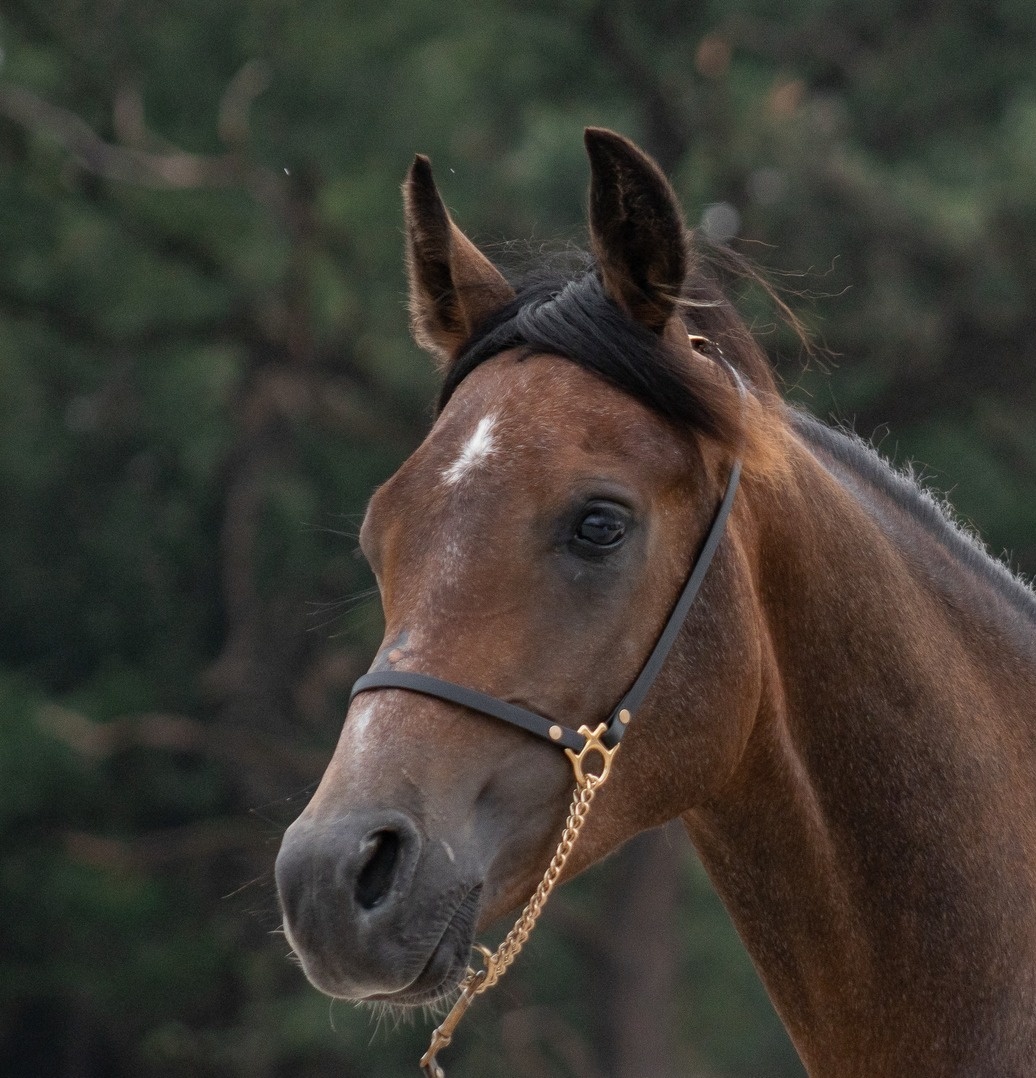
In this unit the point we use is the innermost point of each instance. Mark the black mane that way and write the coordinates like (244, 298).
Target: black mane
(569, 314)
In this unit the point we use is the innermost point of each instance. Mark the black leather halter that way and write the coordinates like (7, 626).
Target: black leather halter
(564, 736)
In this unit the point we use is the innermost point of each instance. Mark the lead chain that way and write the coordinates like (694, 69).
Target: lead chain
(497, 963)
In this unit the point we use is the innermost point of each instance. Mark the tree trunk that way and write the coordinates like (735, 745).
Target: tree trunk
(638, 985)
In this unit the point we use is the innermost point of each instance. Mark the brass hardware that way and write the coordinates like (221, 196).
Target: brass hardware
(593, 744)
(624, 717)
(496, 963)
(555, 733)
(443, 1033)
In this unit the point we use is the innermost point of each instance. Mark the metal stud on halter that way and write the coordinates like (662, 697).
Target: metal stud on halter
(496, 963)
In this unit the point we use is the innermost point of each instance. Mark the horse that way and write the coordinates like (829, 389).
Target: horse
(844, 718)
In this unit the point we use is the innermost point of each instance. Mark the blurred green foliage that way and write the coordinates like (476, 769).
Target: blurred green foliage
(204, 370)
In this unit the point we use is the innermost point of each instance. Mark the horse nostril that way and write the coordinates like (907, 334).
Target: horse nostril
(375, 877)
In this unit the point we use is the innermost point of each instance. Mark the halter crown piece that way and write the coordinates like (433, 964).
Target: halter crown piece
(579, 745)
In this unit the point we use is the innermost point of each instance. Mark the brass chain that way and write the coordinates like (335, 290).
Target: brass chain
(496, 963)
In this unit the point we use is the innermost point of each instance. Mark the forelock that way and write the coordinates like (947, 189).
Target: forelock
(571, 316)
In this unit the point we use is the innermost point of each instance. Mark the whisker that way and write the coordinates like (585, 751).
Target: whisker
(353, 520)
(259, 811)
(319, 606)
(333, 610)
(244, 887)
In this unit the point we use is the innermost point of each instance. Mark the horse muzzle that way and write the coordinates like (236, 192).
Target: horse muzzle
(374, 909)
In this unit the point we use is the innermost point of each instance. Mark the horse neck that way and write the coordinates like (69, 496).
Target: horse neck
(877, 845)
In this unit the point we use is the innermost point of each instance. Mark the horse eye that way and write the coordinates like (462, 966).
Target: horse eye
(602, 528)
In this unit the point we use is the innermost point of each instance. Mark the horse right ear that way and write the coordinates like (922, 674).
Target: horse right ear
(636, 229)
(453, 286)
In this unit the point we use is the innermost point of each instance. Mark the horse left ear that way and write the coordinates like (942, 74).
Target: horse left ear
(636, 229)
(453, 286)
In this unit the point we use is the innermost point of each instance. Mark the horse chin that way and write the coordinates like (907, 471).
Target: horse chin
(446, 965)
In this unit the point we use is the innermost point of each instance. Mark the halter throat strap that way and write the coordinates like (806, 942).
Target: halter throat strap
(622, 713)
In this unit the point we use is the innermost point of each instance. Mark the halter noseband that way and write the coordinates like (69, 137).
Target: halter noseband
(608, 735)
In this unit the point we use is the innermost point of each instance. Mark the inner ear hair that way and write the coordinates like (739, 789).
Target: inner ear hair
(636, 229)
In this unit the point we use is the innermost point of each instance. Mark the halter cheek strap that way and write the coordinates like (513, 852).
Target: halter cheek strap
(608, 734)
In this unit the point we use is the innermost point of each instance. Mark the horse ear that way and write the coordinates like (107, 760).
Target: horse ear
(453, 286)
(636, 228)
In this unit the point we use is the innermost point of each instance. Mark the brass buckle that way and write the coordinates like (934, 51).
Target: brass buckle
(593, 743)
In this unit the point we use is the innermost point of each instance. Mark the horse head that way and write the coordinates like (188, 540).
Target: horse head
(531, 549)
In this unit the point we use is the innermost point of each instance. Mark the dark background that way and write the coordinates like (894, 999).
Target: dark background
(204, 370)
